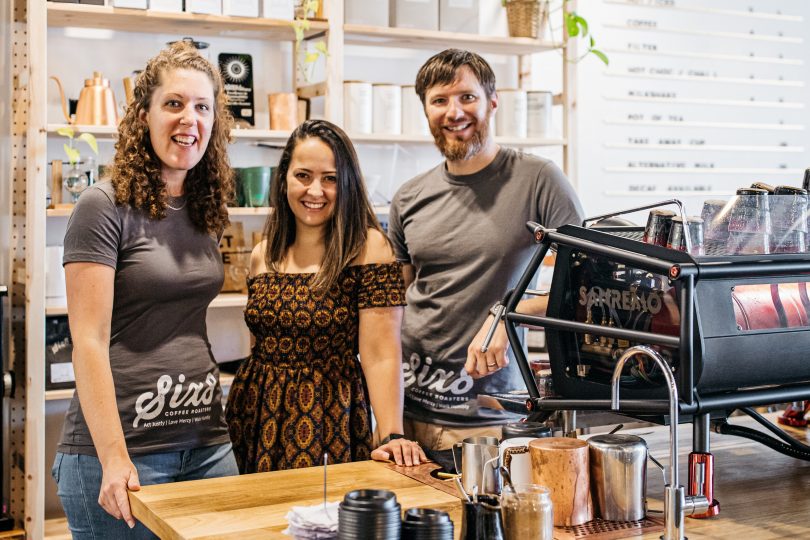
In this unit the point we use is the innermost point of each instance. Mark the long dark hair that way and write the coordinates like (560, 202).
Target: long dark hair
(353, 216)
(136, 167)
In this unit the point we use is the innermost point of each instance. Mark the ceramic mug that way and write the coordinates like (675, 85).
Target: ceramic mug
(515, 457)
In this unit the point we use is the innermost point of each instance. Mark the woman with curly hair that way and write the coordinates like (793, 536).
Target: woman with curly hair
(141, 266)
(324, 287)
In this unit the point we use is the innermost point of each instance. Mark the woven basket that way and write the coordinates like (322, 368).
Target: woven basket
(526, 17)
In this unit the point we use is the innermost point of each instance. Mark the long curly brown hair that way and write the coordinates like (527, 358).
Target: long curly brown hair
(209, 186)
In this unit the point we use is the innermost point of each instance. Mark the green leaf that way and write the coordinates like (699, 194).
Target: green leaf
(72, 154)
(601, 56)
(312, 5)
(571, 24)
(90, 139)
(592, 42)
(299, 33)
(310, 57)
(320, 46)
(65, 131)
(582, 23)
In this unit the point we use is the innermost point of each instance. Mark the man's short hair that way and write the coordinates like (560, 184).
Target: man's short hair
(442, 69)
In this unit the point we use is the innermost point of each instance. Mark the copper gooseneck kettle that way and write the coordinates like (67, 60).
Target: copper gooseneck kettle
(96, 105)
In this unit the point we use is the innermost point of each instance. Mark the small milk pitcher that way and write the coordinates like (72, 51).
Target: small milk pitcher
(480, 459)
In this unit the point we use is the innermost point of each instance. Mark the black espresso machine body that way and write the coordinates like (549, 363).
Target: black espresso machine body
(733, 329)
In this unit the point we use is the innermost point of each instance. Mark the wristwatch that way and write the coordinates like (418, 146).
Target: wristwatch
(392, 437)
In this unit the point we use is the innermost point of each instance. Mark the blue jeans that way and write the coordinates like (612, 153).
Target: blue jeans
(78, 479)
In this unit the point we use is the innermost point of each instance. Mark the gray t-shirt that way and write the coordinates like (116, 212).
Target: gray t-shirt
(466, 237)
(166, 274)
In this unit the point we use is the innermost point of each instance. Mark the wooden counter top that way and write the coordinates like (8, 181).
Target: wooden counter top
(763, 494)
(256, 505)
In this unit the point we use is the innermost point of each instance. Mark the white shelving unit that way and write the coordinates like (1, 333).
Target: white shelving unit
(31, 20)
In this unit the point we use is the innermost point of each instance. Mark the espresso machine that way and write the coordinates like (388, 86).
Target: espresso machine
(686, 335)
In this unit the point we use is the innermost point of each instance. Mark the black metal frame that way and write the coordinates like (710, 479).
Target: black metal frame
(685, 272)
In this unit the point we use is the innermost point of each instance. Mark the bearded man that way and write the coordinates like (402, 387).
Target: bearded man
(460, 231)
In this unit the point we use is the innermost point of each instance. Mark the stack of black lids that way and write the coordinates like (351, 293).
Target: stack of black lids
(372, 514)
(426, 524)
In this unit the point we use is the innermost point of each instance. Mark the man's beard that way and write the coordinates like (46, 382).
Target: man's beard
(455, 150)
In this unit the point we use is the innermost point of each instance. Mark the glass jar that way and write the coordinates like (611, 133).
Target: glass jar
(75, 180)
(527, 513)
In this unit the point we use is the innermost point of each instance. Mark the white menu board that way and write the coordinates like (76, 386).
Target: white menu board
(700, 98)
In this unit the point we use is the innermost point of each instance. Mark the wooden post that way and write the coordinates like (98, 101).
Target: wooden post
(56, 183)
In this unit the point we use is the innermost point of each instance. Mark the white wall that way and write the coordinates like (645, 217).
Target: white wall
(732, 80)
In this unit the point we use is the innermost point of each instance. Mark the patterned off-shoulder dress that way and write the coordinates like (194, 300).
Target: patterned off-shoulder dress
(302, 393)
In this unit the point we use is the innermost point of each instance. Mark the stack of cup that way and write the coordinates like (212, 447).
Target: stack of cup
(749, 224)
(369, 513)
(715, 215)
(426, 524)
(677, 234)
(659, 222)
(788, 220)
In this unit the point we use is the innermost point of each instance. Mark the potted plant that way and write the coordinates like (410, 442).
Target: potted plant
(305, 59)
(527, 18)
(80, 173)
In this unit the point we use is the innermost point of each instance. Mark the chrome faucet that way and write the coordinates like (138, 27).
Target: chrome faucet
(676, 503)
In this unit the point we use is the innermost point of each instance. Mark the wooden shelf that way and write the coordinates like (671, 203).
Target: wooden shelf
(273, 136)
(240, 211)
(377, 138)
(379, 36)
(159, 22)
(111, 132)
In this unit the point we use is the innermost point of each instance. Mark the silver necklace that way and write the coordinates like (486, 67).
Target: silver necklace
(177, 207)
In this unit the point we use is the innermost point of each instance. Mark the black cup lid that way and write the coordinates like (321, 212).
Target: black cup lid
(377, 499)
(525, 429)
(789, 190)
(752, 191)
(426, 515)
(665, 213)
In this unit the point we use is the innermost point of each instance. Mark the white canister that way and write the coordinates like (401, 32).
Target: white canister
(54, 272)
(538, 104)
(387, 109)
(511, 116)
(357, 107)
(414, 121)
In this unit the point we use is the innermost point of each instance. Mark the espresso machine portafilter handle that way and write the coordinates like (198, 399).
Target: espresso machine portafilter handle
(500, 313)
(676, 503)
